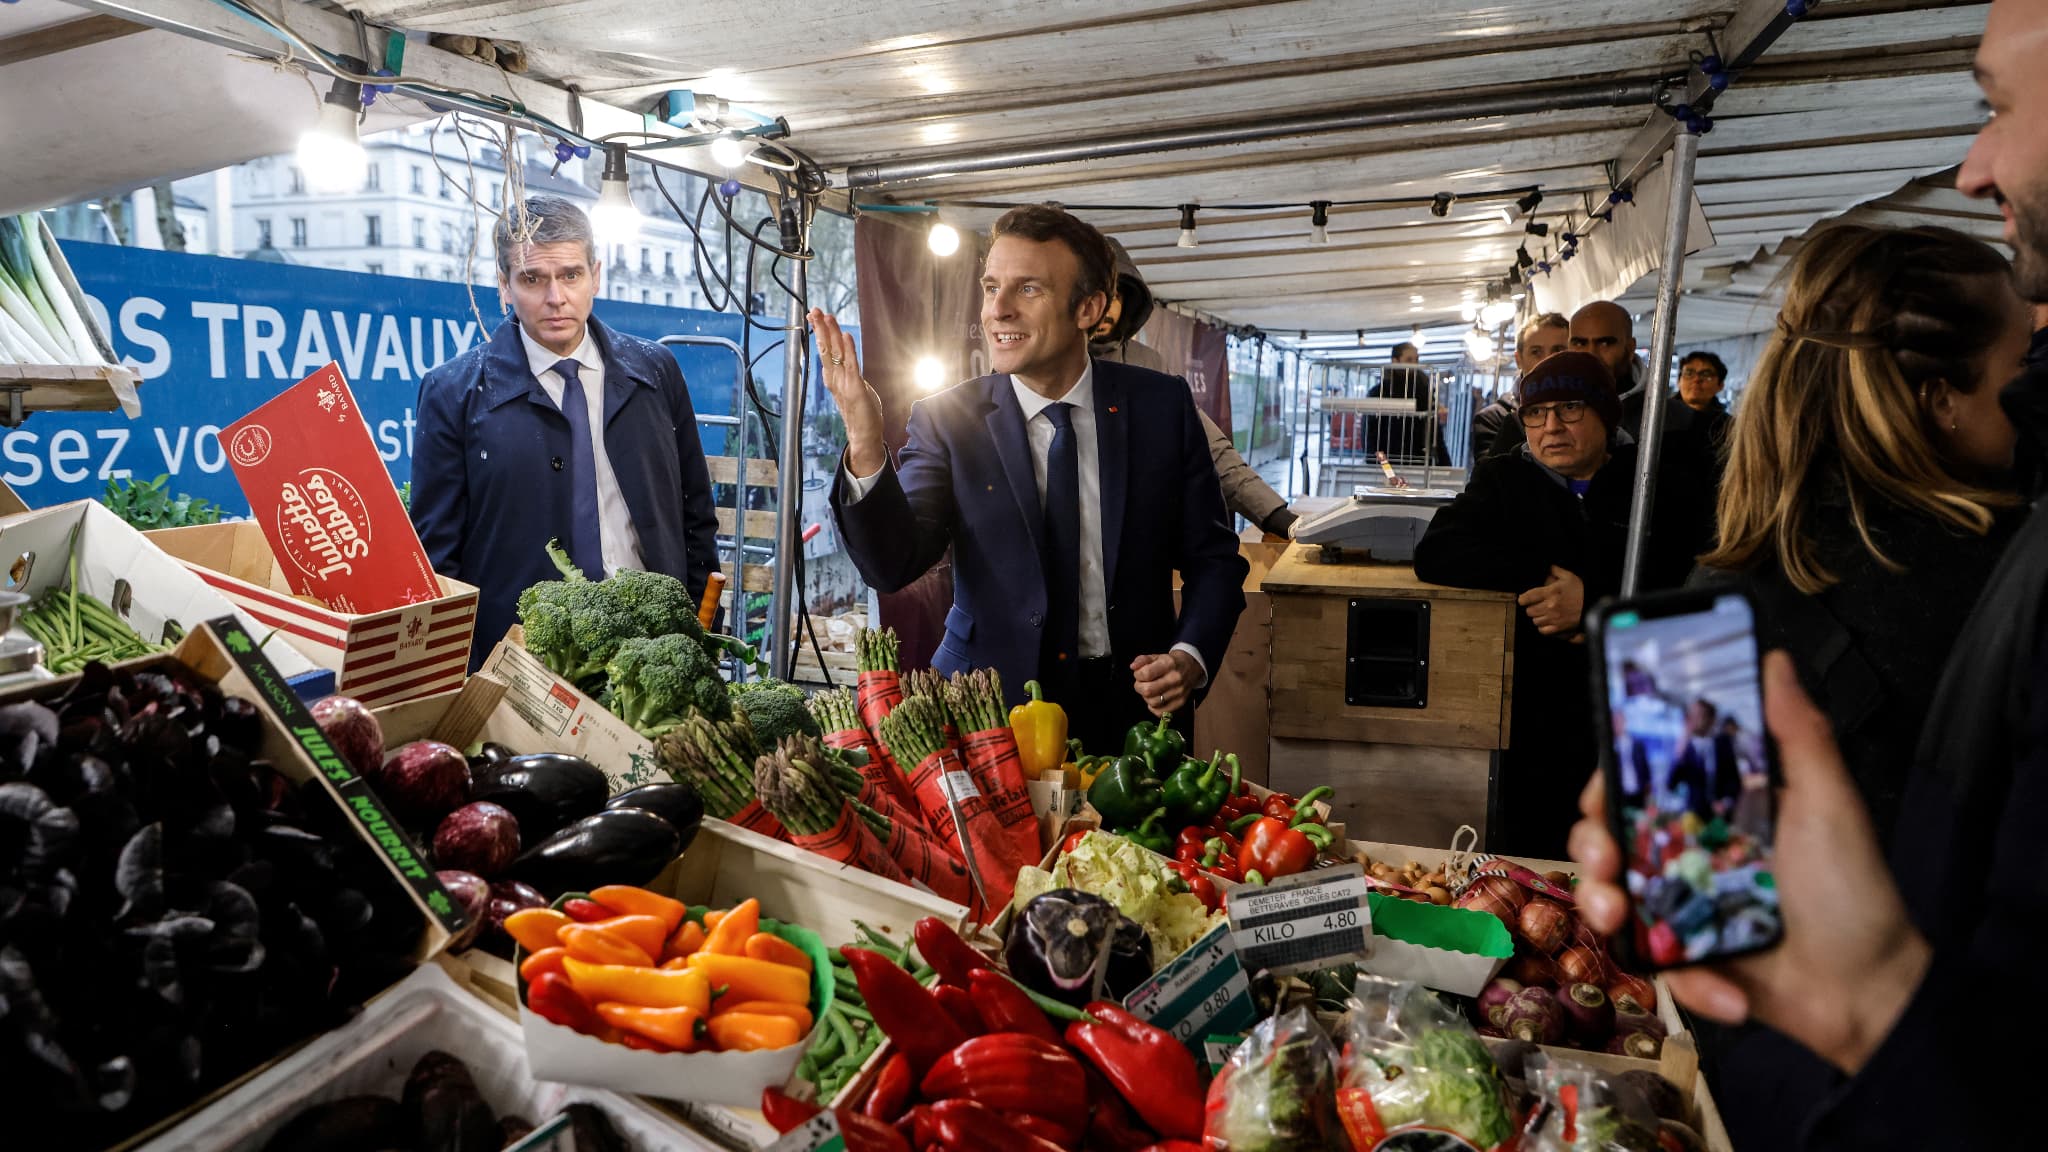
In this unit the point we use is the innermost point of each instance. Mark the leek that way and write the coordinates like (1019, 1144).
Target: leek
(17, 346)
(22, 266)
(84, 350)
(27, 327)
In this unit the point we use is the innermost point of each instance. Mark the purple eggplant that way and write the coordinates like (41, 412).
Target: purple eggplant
(545, 791)
(678, 804)
(616, 846)
(1060, 944)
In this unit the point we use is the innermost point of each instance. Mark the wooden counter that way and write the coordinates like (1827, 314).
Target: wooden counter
(1404, 773)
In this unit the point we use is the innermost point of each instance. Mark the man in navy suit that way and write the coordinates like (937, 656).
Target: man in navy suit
(557, 429)
(1070, 490)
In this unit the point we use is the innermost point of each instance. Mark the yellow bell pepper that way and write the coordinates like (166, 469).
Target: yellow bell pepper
(1041, 730)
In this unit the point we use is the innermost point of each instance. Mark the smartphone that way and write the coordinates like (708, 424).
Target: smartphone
(1691, 775)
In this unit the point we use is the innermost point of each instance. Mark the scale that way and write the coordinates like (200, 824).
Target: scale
(1386, 521)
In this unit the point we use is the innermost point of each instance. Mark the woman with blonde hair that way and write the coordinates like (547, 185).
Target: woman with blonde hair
(1868, 495)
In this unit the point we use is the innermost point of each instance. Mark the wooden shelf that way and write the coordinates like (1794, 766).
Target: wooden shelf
(68, 388)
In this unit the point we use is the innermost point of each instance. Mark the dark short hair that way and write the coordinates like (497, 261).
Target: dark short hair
(1040, 223)
(1712, 712)
(549, 220)
(1405, 346)
(1707, 358)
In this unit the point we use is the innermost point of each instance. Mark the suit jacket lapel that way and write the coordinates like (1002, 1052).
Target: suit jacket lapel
(619, 378)
(1112, 448)
(1013, 447)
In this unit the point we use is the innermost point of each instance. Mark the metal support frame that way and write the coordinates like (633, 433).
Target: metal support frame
(796, 351)
(1670, 278)
(738, 423)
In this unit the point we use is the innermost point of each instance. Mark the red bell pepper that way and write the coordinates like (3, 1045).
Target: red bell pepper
(1219, 855)
(1203, 887)
(1004, 1007)
(1173, 1146)
(966, 1126)
(1011, 1072)
(867, 1134)
(1111, 1125)
(1281, 806)
(1156, 1073)
(783, 1111)
(586, 911)
(1073, 840)
(552, 999)
(960, 1006)
(1058, 1132)
(942, 948)
(905, 1010)
(893, 1085)
(1273, 849)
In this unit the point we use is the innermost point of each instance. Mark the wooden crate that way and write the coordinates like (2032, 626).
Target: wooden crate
(1390, 792)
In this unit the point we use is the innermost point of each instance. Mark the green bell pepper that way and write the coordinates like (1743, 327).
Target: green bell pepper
(1160, 745)
(1149, 835)
(1195, 791)
(1124, 792)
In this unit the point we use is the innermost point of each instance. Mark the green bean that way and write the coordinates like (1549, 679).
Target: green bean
(857, 1012)
(839, 1025)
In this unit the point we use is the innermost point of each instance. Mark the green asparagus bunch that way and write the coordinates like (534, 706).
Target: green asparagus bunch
(713, 756)
(875, 650)
(915, 730)
(975, 700)
(835, 711)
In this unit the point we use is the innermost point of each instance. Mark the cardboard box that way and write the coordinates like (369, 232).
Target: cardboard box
(316, 484)
(572, 722)
(121, 568)
(379, 657)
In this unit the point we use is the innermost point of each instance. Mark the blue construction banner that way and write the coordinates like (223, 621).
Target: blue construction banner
(213, 337)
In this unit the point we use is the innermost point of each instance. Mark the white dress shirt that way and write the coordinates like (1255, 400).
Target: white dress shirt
(619, 542)
(1038, 428)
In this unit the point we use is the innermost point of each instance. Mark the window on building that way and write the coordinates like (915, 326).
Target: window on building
(695, 300)
(374, 267)
(373, 230)
(419, 180)
(263, 233)
(447, 188)
(419, 231)
(668, 298)
(447, 238)
(668, 265)
(298, 231)
(298, 180)
(497, 194)
(419, 271)
(373, 178)
(644, 294)
(646, 262)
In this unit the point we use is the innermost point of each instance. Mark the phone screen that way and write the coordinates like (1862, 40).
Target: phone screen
(1689, 777)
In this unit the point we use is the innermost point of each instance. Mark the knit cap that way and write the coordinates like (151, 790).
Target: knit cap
(1573, 376)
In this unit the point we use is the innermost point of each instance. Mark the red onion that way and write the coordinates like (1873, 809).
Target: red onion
(1535, 1015)
(1544, 924)
(1509, 892)
(1578, 964)
(472, 893)
(1532, 968)
(1493, 999)
(1590, 1012)
(351, 731)
(1632, 993)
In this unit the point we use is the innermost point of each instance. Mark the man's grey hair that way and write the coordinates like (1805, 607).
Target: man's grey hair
(548, 220)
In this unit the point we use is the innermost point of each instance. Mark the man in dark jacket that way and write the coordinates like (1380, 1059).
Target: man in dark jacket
(557, 429)
(1707, 768)
(1550, 524)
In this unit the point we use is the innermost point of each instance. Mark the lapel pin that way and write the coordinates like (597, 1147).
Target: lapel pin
(1112, 409)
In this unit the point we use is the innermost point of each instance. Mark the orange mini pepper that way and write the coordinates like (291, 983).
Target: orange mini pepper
(677, 1029)
(641, 987)
(545, 960)
(675, 964)
(536, 928)
(627, 900)
(643, 932)
(712, 918)
(686, 939)
(596, 945)
(746, 978)
(776, 950)
(751, 1031)
(729, 937)
(726, 1006)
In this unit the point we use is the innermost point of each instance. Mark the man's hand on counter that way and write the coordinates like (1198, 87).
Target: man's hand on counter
(858, 403)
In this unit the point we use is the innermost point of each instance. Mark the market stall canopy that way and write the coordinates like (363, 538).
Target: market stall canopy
(939, 101)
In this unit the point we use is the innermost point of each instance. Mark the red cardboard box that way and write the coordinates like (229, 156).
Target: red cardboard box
(315, 482)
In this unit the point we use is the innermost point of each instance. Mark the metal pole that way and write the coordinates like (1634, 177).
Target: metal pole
(796, 351)
(1685, 152)
(1251, 444)
(736, 444)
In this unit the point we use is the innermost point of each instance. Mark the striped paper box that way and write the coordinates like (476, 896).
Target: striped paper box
(379, 657)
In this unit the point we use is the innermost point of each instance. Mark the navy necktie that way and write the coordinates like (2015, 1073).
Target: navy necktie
(586, 546)
(1062, 555)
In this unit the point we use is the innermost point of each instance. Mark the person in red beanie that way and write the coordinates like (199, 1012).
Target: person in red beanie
(1549, 522)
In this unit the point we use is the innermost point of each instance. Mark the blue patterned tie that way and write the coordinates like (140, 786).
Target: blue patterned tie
(586, 547)
(1062, 556)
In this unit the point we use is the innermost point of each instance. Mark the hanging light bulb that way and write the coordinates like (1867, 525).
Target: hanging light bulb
(1497, 313)
(1416, 338)
(1479, 346)
(1507, 217)
(1469, 312)
(1361, 337)
(943, 239)
(728, 153)
(331, 151)
(614, 220)
(1187, 227)
(1528, 203)
(1319, 222)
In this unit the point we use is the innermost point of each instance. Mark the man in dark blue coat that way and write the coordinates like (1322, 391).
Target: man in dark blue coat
(557, 429)
(1070, 490)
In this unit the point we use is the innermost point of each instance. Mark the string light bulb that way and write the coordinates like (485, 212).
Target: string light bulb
(614, 220)
(331, 151)
(1497, 313)
(1479, 346)
(1416, 337)
(1361, 337)
(728, 153)
(943, 239)
(1187, 227)
(1319, 222)
(1528, 203)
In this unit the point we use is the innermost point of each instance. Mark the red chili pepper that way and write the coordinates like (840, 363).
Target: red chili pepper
(1156, 1073)
(904, 1009)
(1074, 839)
(943, 949)
(552, 999)
(1059, 1132)
(965, 1126)
(867, 1134)
(1188, 845)
(1199, 884)
(1173, 1146)
(1281, 806)
(783, 1111)
(1004, 1007)
(1011, 1072)
(1273, 849)
(1111, 1125)
(891, 1095)
(586, 911)
(960, 1006)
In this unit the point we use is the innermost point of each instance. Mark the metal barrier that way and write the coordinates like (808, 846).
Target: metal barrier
(733, 545)
(1419, 417)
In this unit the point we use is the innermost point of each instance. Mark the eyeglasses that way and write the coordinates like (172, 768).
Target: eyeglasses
(1699, 374)
(1568, 412)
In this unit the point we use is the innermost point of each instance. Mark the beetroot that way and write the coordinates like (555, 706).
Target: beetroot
(482, 838)
(1535, 1015)
(1632, 993)
(472, 894)
(1493, 999)
(507, 897)
(352, 731)
(1589, 1014)
(424, 780)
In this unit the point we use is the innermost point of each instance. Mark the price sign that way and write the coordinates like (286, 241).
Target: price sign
(1203, 990)
(818, 1134)
(1310, 920)
(1217, 1050)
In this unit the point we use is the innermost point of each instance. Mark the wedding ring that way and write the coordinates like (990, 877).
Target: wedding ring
(838, 360)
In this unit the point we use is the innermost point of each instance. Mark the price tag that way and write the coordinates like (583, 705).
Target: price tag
(818, 1134)
(958, 786)
(1203, 990)
(1217, 1050)
(1310, 920)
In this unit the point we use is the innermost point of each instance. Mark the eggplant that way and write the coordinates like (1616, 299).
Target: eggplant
(619, 846)
(678, 804)
(447, 1111)
(1130, 960)
(544, 791)
(1060, 945)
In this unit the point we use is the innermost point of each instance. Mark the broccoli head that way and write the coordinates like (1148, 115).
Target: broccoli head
(574, 627)
(776, 710)
(655, 681)
(659, 603)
